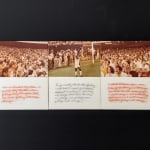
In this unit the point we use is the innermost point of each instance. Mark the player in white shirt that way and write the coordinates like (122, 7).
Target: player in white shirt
(77, 66)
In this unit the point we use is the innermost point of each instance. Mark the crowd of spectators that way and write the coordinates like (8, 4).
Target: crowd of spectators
(23, 62)
(128, 62)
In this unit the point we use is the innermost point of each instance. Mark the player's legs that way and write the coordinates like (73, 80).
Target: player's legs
(76, 72)
(80, 71)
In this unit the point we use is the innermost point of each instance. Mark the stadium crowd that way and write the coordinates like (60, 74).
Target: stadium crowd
(23, 62)
(62, 58)
(128, 62)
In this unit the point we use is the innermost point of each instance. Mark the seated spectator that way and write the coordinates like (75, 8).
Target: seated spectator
(119, 72)
(110, 72)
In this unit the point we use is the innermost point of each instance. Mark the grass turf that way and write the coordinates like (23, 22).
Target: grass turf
(88, 70)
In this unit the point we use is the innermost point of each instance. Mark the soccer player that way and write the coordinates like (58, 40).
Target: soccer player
(77, 66)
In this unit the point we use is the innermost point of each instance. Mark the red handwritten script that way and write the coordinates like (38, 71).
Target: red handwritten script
(123, 92)
(14, 93)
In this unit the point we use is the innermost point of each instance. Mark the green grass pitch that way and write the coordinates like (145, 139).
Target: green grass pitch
(88, 69)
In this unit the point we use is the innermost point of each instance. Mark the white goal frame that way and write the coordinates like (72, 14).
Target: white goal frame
(97, 42)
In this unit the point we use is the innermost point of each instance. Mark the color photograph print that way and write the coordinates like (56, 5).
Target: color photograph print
(73, 59)
(23, 59)
(125, 59)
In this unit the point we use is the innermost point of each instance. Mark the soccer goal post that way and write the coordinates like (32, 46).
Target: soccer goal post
(97, 43)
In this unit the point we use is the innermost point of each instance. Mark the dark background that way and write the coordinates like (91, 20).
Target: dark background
(74, 20)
